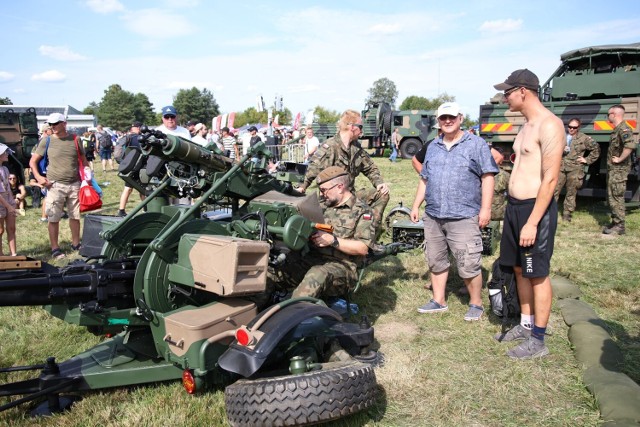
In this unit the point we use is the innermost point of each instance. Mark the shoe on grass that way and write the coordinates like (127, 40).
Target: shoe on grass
(44, 219)
(474, 313)
(76, 247)
(57, 253)
(517, 333)
(432, 307)
(529, 349)
(21, 212)
(121, 213)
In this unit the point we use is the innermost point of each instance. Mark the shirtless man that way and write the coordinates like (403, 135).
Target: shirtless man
(532, 214)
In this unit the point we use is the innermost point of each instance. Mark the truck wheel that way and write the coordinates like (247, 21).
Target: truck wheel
(386, 123)
(337, 390)
(409, 147)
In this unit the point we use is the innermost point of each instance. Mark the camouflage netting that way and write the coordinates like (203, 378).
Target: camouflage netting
(617, 395)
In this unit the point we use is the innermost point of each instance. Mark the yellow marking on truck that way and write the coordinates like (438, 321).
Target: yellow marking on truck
(497, 127)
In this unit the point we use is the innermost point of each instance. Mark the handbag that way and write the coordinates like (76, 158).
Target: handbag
(88, 196)
(44, 161)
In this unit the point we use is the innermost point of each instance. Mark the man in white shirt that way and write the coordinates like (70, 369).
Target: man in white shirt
(169, 124)
(311, 144)
(200, 136)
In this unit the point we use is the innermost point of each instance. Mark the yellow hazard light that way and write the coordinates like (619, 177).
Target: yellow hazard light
(188, 382)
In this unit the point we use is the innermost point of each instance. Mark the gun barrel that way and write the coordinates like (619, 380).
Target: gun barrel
(177, 148)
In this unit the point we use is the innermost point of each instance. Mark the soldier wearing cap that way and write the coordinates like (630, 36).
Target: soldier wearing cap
(62, 180)
(344, 151)
(330, 268)
(531, 215)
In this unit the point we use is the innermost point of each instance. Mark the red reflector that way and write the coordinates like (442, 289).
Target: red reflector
(188, 382)
(243, 337)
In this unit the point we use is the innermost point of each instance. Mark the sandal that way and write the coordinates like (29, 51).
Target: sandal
(474, 313)
(76, 247)
(57, 253)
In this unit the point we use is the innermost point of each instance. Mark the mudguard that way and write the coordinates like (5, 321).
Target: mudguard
(246, 361)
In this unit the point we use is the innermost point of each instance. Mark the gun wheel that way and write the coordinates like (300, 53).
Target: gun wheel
(337, 390)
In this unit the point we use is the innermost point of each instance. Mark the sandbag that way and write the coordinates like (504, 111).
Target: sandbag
(593, 346)
(564, 288)
(617, 395)
(574, 311)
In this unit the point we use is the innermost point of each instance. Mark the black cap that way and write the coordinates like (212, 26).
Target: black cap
(520, 78)
(192, 123)
(136, 124)
(253, 129)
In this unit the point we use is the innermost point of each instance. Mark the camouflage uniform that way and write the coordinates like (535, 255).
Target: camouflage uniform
(500, 192)
(328, 271)
(354, 160)
(621, 138)
(572, 171)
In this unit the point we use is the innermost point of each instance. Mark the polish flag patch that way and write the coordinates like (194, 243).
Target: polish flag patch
(367, 217)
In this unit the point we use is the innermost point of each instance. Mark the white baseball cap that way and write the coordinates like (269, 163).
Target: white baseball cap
(449, 109)
(56, 118)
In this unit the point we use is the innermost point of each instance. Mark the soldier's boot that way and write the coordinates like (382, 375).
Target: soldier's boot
(566, 216)
(616, 229)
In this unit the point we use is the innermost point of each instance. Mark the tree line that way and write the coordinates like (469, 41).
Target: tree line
(119, 107)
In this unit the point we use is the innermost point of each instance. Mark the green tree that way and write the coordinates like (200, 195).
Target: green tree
(414, 102)
(193, 104)
(92, 108)
(324, 115)
(144, 110)
(467, 122)
(383, 90)
(5, 101)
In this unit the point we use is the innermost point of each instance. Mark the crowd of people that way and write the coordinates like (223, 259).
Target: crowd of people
(463, 183)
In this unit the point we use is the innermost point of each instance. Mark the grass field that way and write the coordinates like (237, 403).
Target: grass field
(439, 371)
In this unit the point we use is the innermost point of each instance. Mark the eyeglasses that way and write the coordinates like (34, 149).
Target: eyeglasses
(510, 91)
(169, 117)
(358, 125)
(324, 190)
(572, 127)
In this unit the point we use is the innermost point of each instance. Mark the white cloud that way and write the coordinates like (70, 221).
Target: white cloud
(6, 76)
(51, 76)
(166, 24)
(19, 90)
(501, 26)
(189, 85)
(385, 29)
(61, 53)
(105, 6)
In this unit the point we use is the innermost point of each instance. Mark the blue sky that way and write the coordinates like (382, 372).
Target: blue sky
(311, 53)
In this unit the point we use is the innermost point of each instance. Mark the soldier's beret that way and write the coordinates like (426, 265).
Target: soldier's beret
(330, 173)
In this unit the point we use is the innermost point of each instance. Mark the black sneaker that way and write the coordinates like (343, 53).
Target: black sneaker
(121, 213)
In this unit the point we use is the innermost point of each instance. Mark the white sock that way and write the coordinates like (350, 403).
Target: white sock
(526, 321)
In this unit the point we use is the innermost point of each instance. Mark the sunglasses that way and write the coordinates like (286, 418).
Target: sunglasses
(510, 91)
(324, 190)
(359, 126)
(573, 127)
(169, 116)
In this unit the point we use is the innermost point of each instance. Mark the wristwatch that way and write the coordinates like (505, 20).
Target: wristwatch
(335, 242)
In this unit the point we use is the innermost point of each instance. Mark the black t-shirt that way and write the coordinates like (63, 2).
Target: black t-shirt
(422, 152)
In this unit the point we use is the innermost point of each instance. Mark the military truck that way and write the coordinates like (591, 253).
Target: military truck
(20, 132)
(414, 126)
(587, 83)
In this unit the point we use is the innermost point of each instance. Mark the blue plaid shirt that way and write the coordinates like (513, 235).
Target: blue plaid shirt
(453, 177)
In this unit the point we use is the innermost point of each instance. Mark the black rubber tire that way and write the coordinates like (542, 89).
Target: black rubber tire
(409, 147)
(338, 390)
(386, 122)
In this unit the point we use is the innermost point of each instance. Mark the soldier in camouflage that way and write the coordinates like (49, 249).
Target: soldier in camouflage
(330, 269)
(500, 187)
(344, 151)
(621, 146)
(573, 165)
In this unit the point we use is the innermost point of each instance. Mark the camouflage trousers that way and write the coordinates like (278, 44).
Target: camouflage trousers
(615, 198)
(324, 278)
(377, 202)
(573, 180)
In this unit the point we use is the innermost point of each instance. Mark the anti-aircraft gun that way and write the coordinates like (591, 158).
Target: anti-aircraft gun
(190, 296)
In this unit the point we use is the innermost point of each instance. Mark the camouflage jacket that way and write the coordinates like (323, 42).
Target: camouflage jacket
(351, 220)
(500, 192)
(580, 144)
(621, 138)
(354, 160)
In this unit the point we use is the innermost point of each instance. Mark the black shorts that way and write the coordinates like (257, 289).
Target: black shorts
(534, 260)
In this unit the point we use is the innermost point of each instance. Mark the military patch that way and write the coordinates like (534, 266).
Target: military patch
(325, 145)
(626, 135)
(367, 217)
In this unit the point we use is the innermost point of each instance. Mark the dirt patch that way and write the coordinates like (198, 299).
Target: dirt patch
(395, 331)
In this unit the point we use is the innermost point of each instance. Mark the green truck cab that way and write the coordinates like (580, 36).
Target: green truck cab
(19, 131)
(415, 128)
(587, 83)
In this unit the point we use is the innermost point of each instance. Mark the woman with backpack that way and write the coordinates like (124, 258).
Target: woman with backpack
(106, 147)
(89, 144)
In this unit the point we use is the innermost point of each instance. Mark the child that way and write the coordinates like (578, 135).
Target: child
(7, 203)
(19, 193)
